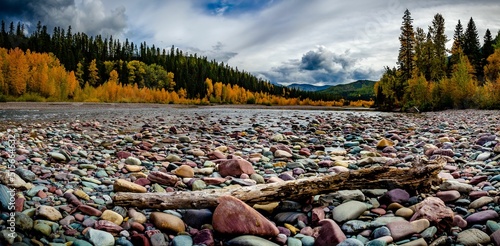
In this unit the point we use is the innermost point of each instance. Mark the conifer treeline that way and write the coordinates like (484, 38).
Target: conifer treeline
(93, 58)
(429, 79)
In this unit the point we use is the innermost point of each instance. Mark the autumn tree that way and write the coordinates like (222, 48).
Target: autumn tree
(465, 87)
(17, 72)
(93, 79)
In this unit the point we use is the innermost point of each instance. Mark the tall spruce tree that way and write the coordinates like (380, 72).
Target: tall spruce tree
(472, 48)
(439, 39)
(457, 47)
(406, 55)
(488, 48)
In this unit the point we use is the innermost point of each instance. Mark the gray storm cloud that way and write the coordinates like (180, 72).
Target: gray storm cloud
(319, 66)
(87, 16)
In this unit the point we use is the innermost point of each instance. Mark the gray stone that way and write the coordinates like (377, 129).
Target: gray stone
(182, 240)
(472, 237)
(483, 156)
(249, 240)
(351, 242)
(354, 226)
(349, 211)
(57, 156)
(346, 195)
(158, 239)
(101, 238)
(26, 174)
(132, 161)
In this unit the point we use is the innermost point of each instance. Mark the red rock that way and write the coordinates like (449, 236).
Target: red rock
(401, 229)
(396, 195)
(448, 195)
(473, 195)
(41, 194)
(108, 226)
(137, 226)
(216, 155)
(142, 181)
(434, 210)
(233, 216)
(478, 179)
(235, 167)
(213, 181)
(481, 217)
(459, 221)
(318, 214)
(123, 154)
(163, 178)
(305, 152)
(204, 237)
(329, 233)
(308, 231)
(72, 199)
(88, 210)
(495, 237)
(79, 217)
(280, 147)
(379, 211)
(19, 203)
(140, 239)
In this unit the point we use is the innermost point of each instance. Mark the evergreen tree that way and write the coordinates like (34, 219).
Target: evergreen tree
(439, 39)
(488, 48)
(457, 47)
(406, 53)
(471, 48)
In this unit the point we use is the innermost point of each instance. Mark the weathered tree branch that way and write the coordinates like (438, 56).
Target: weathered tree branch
(418, 178)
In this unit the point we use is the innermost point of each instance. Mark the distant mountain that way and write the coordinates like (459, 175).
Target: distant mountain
(358, 90)
(308, 87)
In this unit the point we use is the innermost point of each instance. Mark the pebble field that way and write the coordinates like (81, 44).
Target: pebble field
(61, 165)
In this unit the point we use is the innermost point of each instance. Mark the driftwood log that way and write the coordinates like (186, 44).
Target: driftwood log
(420, 177)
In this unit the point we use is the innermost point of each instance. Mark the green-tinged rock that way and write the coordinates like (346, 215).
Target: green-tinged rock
(80, 242)
(23, 221)
(307, 241)
(492, 226)
(376, 243)
(92, 180)
(43, 228)
(198, 185)
(249, 240)
(293, 242)
(8, 236)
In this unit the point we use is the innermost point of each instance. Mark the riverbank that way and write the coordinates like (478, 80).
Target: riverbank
(69, 160)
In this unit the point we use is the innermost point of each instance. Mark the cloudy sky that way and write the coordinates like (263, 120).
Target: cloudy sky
(284, 41)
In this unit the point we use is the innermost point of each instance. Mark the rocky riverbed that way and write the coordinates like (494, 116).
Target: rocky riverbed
(61, 165)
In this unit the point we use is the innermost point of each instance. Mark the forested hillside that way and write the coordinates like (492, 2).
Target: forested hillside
(429, 78)
(97, 62)
(357, 90)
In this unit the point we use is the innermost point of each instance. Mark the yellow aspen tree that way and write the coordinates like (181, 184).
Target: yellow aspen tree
(18, 72)
(72, 84)
(210, 87)
(93, 73)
